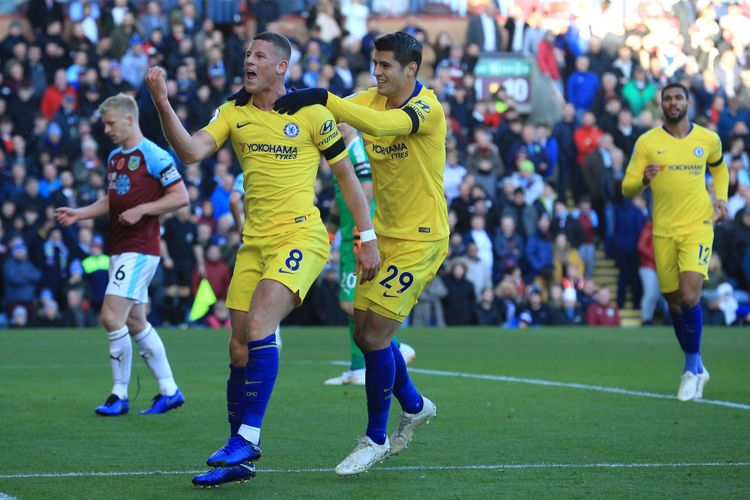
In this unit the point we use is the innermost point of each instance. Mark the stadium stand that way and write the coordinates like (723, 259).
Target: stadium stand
(544, 102)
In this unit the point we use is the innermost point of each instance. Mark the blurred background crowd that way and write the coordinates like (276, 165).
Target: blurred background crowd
(540, 234)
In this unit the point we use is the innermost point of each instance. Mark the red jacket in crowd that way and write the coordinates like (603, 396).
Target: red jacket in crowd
(53, 98)
(218, 275)
(599, 315)
(646, 246)
(586, 140)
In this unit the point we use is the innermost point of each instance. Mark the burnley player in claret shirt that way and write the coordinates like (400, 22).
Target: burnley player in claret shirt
(143, 183)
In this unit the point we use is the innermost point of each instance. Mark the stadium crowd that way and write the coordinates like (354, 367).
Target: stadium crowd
(531, 195)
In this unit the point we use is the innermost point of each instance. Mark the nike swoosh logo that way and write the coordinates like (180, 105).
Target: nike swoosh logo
(386, 294)
(660, 152)
(240, 125)
(282, 271)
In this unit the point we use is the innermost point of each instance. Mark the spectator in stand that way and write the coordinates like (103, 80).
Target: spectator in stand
(486, 312)
(564, 254)
(458, 305)
(428, 311)
(563, 132)
(638, 92)
(96, 272)
(53, 96)
(77, 314)
(603, 312)
(219, 316)
(453, 175)
(217, 272)
(484, 31)
(589, 221)
(629, 220)
(181, 255)
(539, 252)
(20, 277)
(476, 270)
(595, 165)
(536, 312)
(570, 312)
(19, 317)
(729, 117)
(582, 87)
(548, 60)
(531, 182)
(508, 246)
(134, 63)
(647, 272)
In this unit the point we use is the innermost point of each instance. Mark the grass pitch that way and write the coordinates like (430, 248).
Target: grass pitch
(511, 420)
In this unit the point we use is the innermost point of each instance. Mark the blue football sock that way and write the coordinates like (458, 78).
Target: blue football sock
(678, 323)
(260, 377)
(692, 331)
(235, 389)
(403, 388)
(379, 377)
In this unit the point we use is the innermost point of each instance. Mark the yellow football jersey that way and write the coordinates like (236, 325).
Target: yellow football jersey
(406, 147)
(279, 155)
(681, 202)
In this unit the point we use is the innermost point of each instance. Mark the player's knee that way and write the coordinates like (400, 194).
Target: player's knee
(136, 325)
(237, 352)
(110, 320)
(690, 297)
(255, 329)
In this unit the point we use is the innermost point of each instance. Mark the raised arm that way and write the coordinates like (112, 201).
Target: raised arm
(401, 121)
(189, 149)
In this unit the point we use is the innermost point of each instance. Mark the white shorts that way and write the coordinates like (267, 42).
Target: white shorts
(130, 274)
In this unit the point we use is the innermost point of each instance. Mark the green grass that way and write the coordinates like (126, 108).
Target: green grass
(51, 381)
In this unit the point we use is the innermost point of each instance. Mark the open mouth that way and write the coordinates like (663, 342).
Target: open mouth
(251, 75)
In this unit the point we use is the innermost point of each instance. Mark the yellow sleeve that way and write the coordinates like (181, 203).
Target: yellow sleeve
(218, 127)
(719, 171)
(326, 135)
(375, 123)
(632, 183)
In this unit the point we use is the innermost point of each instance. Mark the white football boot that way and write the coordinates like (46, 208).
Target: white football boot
(366, 454)
(349, 377)
(688, 386)
(407, 352)
(703, 379)
(408, 422)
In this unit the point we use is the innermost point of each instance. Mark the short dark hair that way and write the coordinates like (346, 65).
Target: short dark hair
(405, 48)
(280, 43)
(676, 85)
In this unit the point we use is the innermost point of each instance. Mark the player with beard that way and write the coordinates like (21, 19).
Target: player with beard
(672, 161)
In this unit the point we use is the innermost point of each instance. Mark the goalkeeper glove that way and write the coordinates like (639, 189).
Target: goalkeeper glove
(294, 101)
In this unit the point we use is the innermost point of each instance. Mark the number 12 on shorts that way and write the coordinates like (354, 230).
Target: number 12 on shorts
(704, 254)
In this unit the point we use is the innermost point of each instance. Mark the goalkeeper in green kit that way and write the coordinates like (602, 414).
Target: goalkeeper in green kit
(341, 220)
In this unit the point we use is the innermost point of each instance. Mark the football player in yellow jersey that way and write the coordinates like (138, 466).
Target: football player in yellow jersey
(404, 129)
(285, 241)
(672, 160)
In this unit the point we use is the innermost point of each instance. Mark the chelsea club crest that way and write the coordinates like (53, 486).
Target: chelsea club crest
(291, 130)
(698, 151)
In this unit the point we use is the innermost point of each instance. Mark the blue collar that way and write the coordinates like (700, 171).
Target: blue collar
(417, 90)
(670, 133)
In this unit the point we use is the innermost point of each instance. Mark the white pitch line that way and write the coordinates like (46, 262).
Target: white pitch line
(552, 383)
(404, 468)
